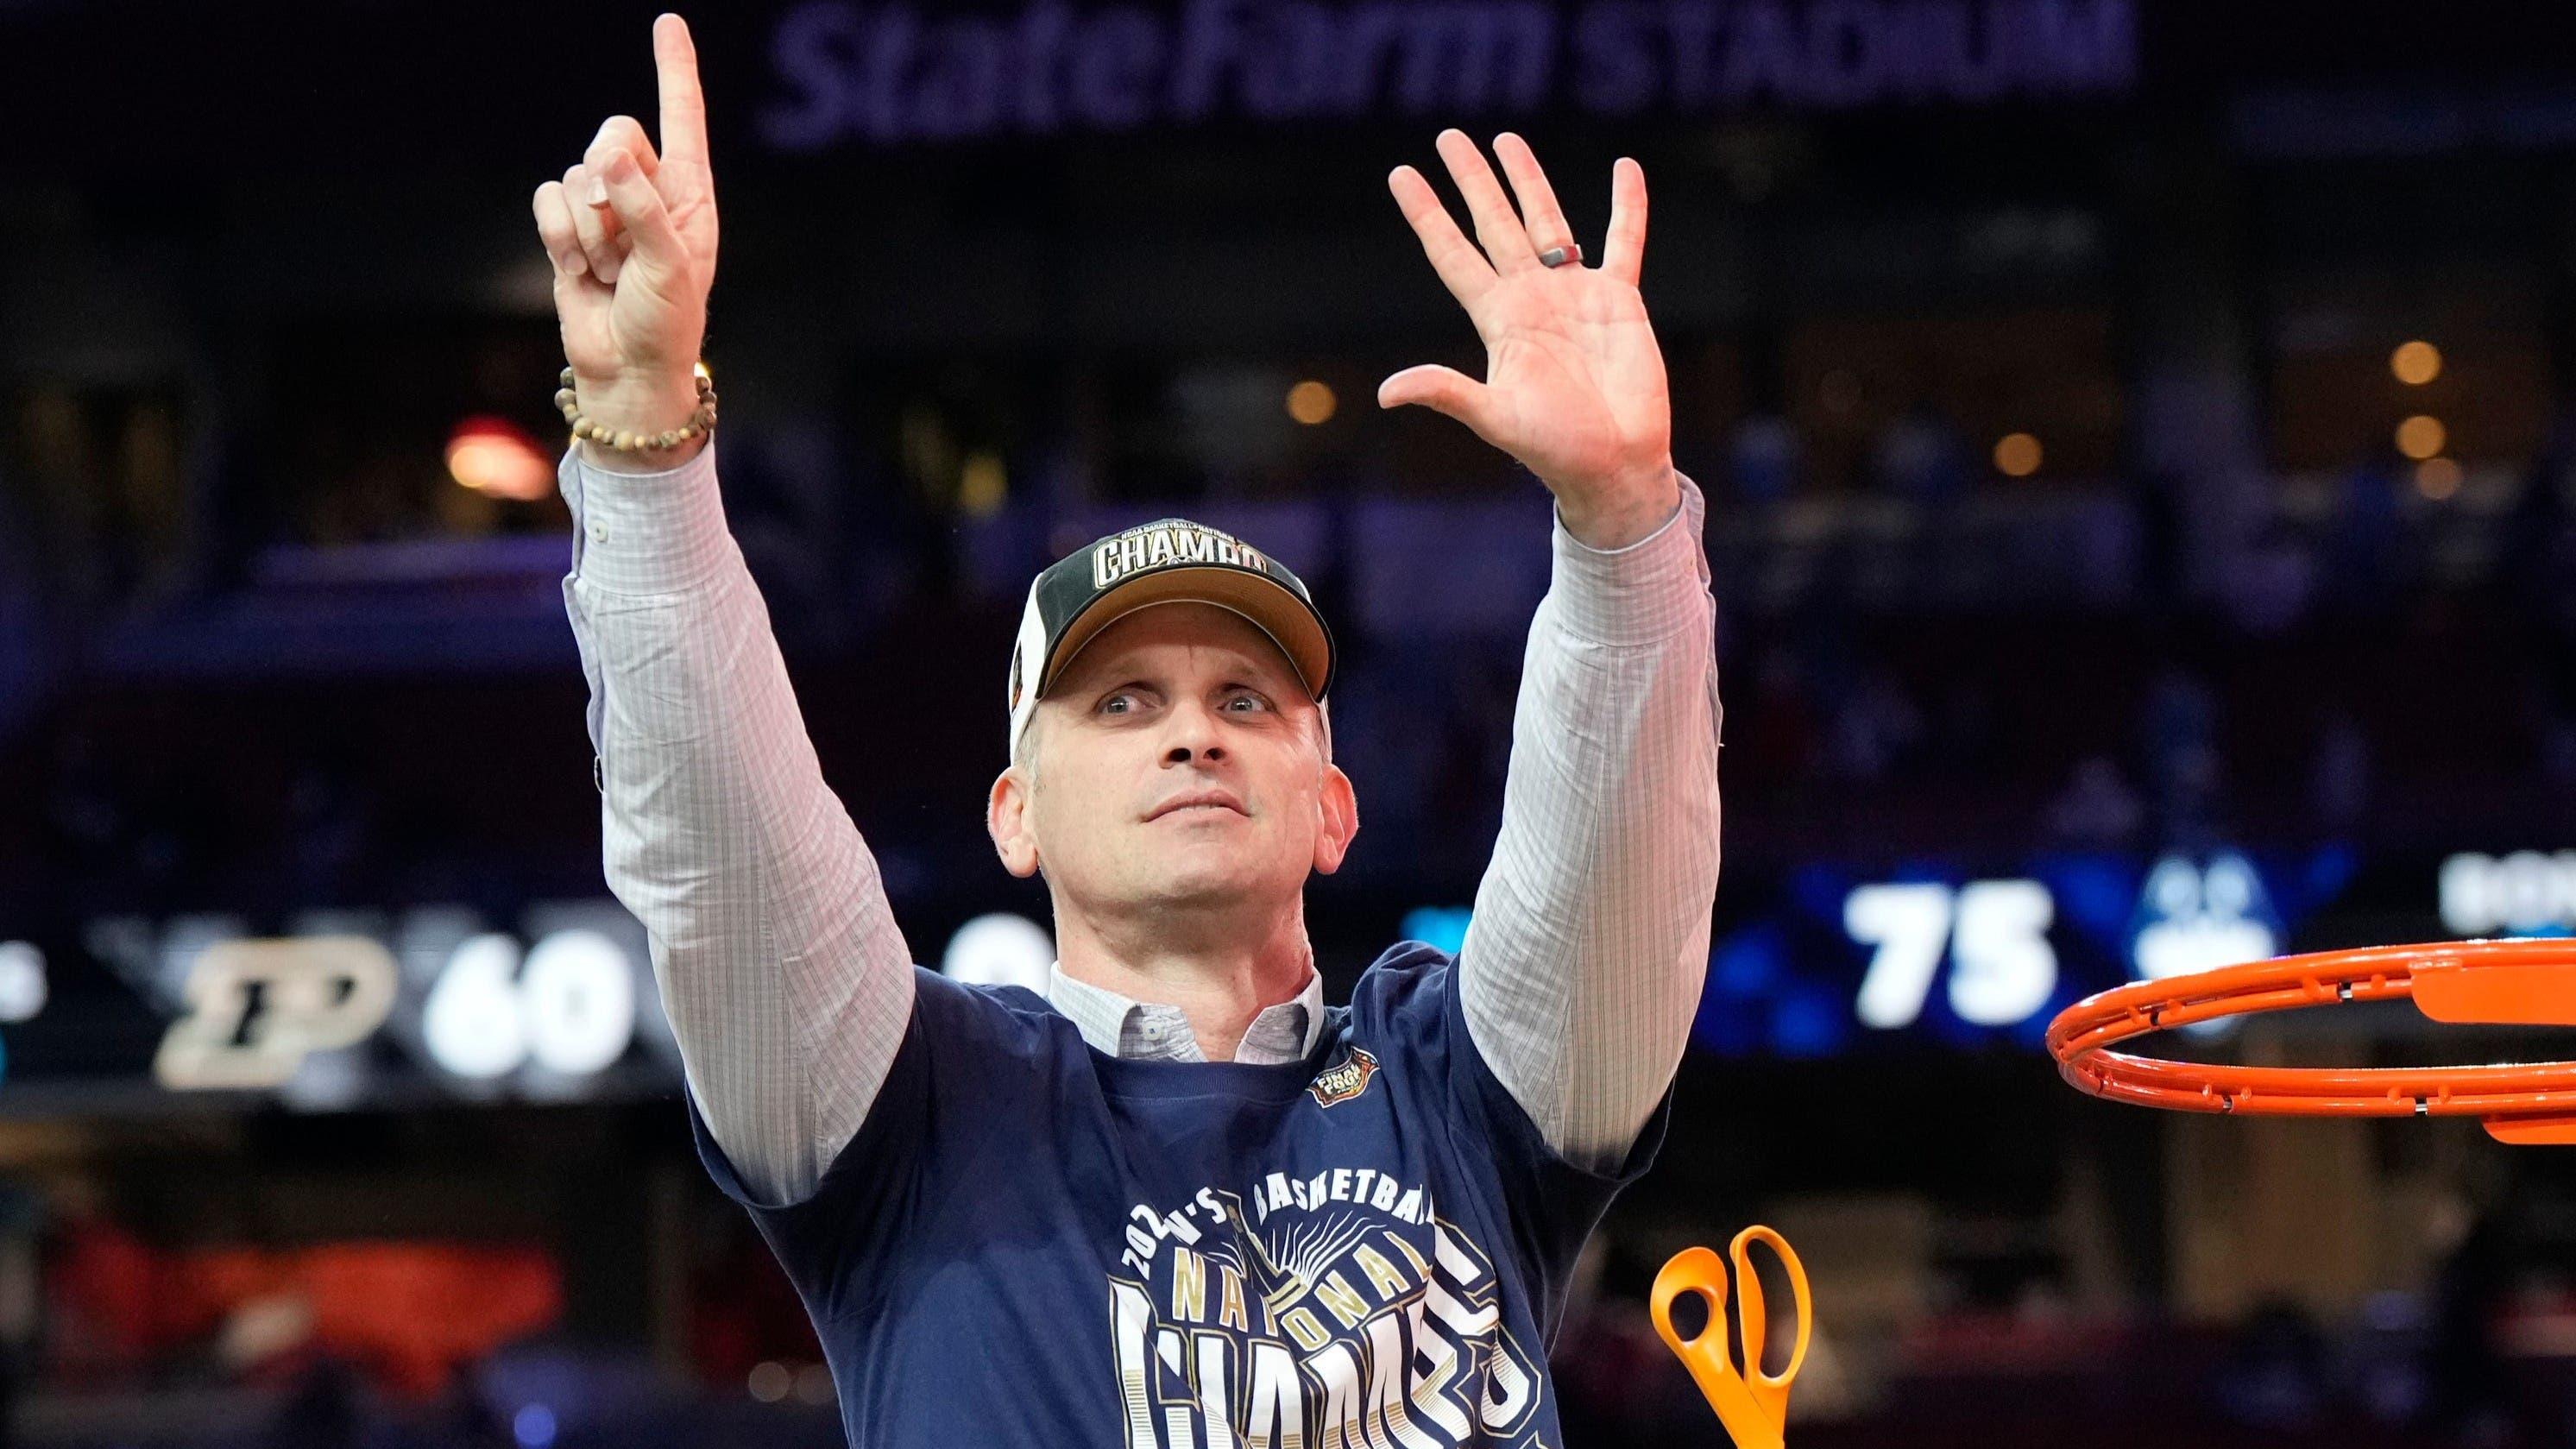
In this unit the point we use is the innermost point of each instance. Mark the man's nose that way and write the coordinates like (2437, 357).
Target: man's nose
(1194, 733)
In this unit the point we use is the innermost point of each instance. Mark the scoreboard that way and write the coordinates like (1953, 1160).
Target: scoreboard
(1843, 961)
(337, 1008)
(333, 1009)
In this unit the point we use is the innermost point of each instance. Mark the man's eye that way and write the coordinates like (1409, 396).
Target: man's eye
(1109, 704)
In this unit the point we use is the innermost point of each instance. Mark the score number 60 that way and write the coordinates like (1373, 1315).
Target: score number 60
(2002, 968)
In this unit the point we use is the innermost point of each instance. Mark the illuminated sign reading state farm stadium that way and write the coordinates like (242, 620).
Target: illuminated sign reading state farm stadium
(888, 74)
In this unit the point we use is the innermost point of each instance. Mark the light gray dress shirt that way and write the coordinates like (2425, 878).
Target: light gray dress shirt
(789, 985)
(1122, 1026)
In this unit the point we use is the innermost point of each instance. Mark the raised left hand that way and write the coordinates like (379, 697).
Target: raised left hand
(1574, 382)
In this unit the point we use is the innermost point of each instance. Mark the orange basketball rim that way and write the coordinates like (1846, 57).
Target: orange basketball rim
(2520, 983)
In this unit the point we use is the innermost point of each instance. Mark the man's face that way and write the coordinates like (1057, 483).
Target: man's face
(1178, 764)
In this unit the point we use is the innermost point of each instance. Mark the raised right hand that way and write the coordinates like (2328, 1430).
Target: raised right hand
(633, 238)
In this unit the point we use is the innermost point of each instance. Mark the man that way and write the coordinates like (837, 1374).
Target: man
(1176, 1200)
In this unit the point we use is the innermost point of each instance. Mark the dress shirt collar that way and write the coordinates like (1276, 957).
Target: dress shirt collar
(1121, 1026)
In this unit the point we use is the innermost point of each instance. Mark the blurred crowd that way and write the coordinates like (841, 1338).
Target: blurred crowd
(2294, 675)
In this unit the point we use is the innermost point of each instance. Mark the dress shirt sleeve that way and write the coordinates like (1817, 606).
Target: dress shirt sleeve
(1584, 956)
(786, 980)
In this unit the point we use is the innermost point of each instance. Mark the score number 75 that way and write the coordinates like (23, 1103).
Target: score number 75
(1995, 933)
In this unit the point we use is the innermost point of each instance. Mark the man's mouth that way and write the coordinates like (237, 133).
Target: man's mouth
(1197, 801)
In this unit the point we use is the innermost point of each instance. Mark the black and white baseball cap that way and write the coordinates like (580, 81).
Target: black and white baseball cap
(1166, 561)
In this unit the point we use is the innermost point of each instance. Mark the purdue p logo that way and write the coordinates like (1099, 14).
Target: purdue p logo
(257, 1009)
(1344, 1079)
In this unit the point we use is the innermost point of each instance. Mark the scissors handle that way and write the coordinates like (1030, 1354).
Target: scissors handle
(1753, 1405)
(1772, 1388)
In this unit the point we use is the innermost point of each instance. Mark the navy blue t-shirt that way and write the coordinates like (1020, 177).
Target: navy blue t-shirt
(1031, 1242)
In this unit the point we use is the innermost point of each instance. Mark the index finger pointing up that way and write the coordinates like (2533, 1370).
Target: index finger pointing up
(684, 106)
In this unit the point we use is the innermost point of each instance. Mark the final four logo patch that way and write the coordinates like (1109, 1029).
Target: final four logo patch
(1344, 1079)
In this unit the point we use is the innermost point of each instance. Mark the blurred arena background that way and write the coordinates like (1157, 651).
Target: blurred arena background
(2141, 440)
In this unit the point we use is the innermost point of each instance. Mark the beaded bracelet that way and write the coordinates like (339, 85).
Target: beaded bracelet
(625, 441)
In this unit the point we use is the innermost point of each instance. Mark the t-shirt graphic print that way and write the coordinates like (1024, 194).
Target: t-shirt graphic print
(1356, 1317)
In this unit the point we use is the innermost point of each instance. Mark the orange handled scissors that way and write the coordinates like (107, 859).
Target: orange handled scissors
(1752, 1404)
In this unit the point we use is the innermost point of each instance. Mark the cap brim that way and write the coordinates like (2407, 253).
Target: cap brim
(1290, 621)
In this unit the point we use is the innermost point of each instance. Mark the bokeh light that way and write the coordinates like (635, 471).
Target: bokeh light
(1310, 402)
(2017, 455)
(533, 1426)
(2421, 436)
(983, 485)
(496, 457)
(2437, 478)
(2415, 363)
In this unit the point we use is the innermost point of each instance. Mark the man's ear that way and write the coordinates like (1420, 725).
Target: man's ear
(1339, 805)
(1006, 819)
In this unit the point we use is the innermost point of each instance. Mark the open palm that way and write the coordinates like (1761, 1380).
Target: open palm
(1574, 381)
